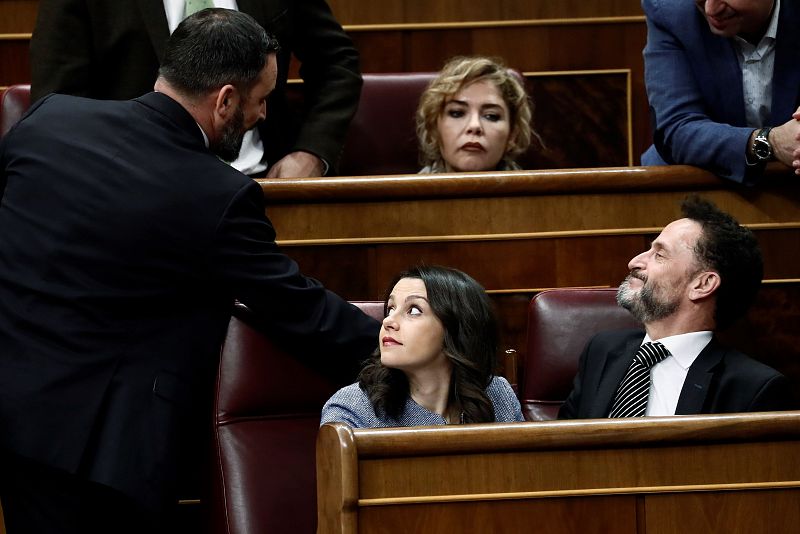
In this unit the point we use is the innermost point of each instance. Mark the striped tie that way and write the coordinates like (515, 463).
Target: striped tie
(193, 6)
(631, 397)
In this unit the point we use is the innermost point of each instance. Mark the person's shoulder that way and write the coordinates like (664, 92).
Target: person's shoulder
(353, 392)
(499, 383)
(504, 399)
(747, 366)
(668, 11)
(349, 405)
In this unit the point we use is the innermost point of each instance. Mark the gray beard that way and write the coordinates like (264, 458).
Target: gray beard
(645, 307)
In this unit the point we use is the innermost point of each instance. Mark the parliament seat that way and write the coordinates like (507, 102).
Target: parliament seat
(382, 137)
(560, 323)
(266, 416)
(14, 102)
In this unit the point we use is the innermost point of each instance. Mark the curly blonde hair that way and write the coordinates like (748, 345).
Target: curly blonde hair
(458, 73)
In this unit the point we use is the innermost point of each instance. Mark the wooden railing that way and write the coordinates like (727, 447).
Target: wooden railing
(710, 474)
(518, 233)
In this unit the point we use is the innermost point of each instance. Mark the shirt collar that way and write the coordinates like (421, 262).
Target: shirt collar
(770, 35)
(685, 348)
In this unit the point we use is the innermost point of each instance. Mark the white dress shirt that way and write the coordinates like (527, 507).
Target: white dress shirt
(251, 157)
(758, 64)
(667, 376)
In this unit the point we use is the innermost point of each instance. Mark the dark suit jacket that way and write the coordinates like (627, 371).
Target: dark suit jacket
(719, 381)
(124, 243)
(109, 49)
(694, 86)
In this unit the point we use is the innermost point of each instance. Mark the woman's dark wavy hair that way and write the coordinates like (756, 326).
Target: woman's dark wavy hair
(470, 342)
(215, 47)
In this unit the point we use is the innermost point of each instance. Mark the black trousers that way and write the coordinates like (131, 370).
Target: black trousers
(40, 499)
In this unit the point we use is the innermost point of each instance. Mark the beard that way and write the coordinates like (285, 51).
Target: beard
(230, 142)
(645, 306)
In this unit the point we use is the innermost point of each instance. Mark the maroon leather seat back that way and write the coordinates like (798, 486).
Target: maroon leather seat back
(14, 102)
(560, 323)
(382, 138)
(266, 417)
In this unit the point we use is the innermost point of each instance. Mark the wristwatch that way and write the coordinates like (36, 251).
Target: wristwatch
(762, 150)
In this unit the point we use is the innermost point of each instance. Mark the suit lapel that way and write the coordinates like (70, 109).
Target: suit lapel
(786, 78)
(698, 380)
(726, 73)
(614, 369)
(155, 20)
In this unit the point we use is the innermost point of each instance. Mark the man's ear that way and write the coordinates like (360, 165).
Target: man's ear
(226, 102)
(704, 284)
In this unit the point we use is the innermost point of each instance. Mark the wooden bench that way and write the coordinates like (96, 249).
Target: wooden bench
(670, 475)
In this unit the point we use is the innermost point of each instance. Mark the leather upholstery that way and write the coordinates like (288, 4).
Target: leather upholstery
(560, 323)
(382, 137)
(266, 417)
(14, 102)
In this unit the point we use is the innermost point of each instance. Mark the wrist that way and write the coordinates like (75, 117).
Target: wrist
(759, 147)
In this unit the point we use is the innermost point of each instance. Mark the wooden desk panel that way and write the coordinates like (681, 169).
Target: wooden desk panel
(542, 471)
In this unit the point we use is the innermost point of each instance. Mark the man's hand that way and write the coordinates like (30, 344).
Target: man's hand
(785, 140)
(297, 165)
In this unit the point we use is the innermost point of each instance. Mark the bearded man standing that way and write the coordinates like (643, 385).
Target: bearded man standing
(700, 274)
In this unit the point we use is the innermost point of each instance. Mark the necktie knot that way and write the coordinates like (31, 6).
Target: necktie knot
(651, 353)
(632, 393)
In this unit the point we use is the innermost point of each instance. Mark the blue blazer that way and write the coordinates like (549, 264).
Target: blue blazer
(694, 86)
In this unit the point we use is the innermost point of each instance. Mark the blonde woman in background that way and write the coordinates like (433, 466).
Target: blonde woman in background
(475, 116)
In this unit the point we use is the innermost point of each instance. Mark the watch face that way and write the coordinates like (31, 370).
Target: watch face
(762, 149)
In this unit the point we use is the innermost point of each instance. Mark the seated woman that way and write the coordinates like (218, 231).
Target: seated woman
(434, 362)
(475, 116)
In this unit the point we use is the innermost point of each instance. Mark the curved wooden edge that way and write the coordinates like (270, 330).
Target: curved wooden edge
(591, 433)
(509, 183)
(337, 480)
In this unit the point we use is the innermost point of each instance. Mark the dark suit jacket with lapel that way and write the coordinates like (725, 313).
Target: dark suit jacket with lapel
(694, 86)
(124, 244)
(109, 49)
(719, 381)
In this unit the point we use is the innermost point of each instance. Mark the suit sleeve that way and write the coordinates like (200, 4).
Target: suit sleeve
(569, 410)
(61, 49)
(294, 310)
(683, 133)
(331, 79)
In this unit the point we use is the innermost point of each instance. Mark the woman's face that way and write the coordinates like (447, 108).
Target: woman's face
(474, 128)
(411, 337)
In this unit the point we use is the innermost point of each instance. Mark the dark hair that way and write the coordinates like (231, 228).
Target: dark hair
(731, 250)
(470, 342)
(215, 47)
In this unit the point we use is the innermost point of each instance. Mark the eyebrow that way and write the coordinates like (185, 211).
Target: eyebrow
(483, 106)
(410, 297)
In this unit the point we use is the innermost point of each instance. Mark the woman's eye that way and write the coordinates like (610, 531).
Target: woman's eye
(414, 310)
(494, 117)
(389, 310)
(455, 113)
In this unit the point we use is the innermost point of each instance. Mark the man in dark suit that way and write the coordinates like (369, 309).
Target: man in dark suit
(109, 49)
(125, 242)
(699, 275)
(723, 83)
